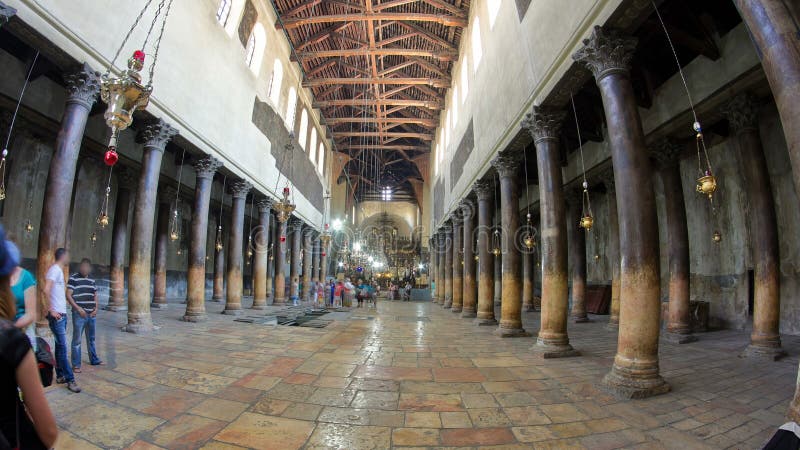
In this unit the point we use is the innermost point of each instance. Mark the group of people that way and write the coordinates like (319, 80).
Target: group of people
(26, 420)
(394, 289)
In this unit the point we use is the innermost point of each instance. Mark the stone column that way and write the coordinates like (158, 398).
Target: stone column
(507, 164)
(308, 239)
(323, 262)
(765, 340)
(484, 191)
(315, 269)
(296, 231)
(497, 293)
(527, 274)
(448, 265)
(154, 136)
(82, 88)
(233, 295)
(6, 13)
(166, 199)
(218, 289)
(273, 239)
(577, 250)
(635, 373)
(612, 250)
(439, 248)
(279, 264)
(198, 240)
(679, 330)
(458, 266)
(261, 244)
(774, 34)
(470, 294)
(126, 181)
(553, 340)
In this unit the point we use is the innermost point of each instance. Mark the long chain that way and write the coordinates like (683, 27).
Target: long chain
(222, 200)
(19, 102)
(675, 55)
(127, 36)
(158, 41)
(580, 140)
(180, 176)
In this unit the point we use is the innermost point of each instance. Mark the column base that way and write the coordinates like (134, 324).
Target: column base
(550, 350)
(468, 313)
(159, 306)
(612, 326)
(679, 338)
(511, 332)
(218, 299)
(232, 312)
(139, 328)
(259, 307)
(457, 309)
(528, 307)
(116, 308)
(482, 322)
(622, 384)
(581, 320)
(763, 352)
(279, 302)
(194, 318)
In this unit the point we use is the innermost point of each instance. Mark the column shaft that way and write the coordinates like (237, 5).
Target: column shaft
(484, 190)
(578, 255)
(260, 252)
(307, 258)
(613, 249)
(448, 266)
(296, 230)
(160, 260)
(458, 266)
(470, 294)
(218, 293)
(233, 295)
(280, 263)
(119, 242)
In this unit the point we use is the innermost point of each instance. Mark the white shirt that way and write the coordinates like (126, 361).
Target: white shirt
(58, 294)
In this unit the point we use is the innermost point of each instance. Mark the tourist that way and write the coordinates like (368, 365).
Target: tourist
(338, 295)
(349, 293)
(56, 292)
(82, 296)
(23, 287)
(30, 425)
(332, 288)
(321, 293)
(361, 292)
(407, 294)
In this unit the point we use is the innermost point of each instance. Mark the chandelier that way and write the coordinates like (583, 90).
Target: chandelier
(284, 207)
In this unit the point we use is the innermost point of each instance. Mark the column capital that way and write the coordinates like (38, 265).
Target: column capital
(264, 205)
(6, 13)
(467, 207)
(666, 152)
(127, 178)
(447, 229)
(206, 167)
(484, 189)
(156, 134)
(507, 163)
(239, 188)
(742, 112)
(167, 194)
(607, 178)
(606, 51)
(455, 217)
(295, 224)
(544, 123)
(83, 86)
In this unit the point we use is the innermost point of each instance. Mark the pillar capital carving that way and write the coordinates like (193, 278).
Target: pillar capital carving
(544, 123)
(239, 188)
(156, 134)
(6, 13)
(264, 205)
(82, 86)
(295, 224)
(507, 163)
(455, 217)
(606, 51)
(467, 207)
(447, 229)
(666, 152)
(207, 167)
(127, 178)
(742, 112)
(484, 189)
(607, 178)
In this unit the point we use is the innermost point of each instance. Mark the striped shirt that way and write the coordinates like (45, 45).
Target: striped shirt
(83, 290)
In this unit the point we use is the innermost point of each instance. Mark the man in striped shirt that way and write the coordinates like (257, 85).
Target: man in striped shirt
(82, 295)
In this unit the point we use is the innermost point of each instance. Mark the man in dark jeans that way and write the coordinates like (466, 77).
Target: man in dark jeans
(56, 291)
(82, 295)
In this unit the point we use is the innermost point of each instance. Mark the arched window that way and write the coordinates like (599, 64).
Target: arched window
(224, 12)
(275, 84)
(321, 159)
(436, 158)
(254, 51)
(291, 105)
(446, 132)
(303, 131)
(494, 9)
(454, 105)
(464, 79)
(477, 50)
(312, 147)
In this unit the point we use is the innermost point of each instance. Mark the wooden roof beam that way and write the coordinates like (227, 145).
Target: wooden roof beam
(427, 35)
(443, 19)
(322, 35)
(412, 120)
(436, 82)
(395, 134)
(302, 7)
(392, 4)
(334, 53)
(400, 66)
(435, 105)
(421, 148)
(452, 9)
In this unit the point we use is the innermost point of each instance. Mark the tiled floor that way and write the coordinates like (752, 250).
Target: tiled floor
(408, 375)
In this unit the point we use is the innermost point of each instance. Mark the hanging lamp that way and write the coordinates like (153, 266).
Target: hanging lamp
(218, 240)
(587, 218)
(174, 225)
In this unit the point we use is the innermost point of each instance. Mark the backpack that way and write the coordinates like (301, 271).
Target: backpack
(45, 361)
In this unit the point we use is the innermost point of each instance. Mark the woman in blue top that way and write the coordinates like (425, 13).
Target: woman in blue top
(23, 287)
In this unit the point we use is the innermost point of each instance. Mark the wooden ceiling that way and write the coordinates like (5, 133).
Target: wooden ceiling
(379, 72)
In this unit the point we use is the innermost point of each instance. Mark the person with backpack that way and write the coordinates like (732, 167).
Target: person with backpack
(26, 421)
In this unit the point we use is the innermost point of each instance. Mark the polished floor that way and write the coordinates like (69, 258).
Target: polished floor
(406, 375)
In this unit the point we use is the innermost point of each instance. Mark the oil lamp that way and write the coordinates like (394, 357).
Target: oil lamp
(102, 218)
(587, 220)
(284, 207)
(174, 232)
(93, 238)
(124, 95)
(716, 237)
(528, 238)
(218, 241)
(28, 226)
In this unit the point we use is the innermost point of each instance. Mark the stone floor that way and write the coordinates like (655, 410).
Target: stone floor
(406, 375)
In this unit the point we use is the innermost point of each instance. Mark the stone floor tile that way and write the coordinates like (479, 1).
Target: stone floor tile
(270, 406)
(455, 420)
(526, 415)
(337, 436)
(186, 432)
(488, 418)
(266, 432)
(423, 420)
(478, 401)
(468, 436)
(563, 412)
(430, 402)
(302, 411)
(415, 437)
(457, 374)
(68, 441)
(375, 400)
(94, 425)
(217, 408)
(137, 445)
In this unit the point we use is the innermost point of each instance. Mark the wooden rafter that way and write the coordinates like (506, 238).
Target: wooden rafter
(417, 121)
(391, 51)
(442, 19)
(430, 104)
(394, 134)
(436, 82)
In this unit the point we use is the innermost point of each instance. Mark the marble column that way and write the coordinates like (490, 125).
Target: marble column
(458, 266)
(280, 263)
(497, 293)
(635, 373)
(6, 13)
(552, 340)
(154, 136)
(323, 261)
(765, 340)
(308, 240)
(679, 329)
(273, 238)
(528, 273)
(233, 295)
(439, 249)
(261, 254)
(126, 181)
(484, 191)
(612, 249)
(315, 260)
(218, 289)
(82, 88)
(198, 240)
(775, 36)
(448, 264)
(296, 232)
(470, 294)
(166, 199)
(577, 252)
(507, 164)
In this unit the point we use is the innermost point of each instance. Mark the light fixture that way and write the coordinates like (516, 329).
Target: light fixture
(174, 231)
(102, 218)
(284, 206)
(337, 224)
(218, 240)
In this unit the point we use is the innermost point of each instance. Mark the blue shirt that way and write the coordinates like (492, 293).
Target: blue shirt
(26, 280)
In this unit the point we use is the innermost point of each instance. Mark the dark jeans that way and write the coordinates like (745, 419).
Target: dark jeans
(79, 324)
(59, 329)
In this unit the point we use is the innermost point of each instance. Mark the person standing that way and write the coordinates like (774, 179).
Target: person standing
(56, 291)
(82, 296)
(23, 288)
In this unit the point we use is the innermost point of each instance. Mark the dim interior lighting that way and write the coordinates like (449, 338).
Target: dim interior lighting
(341, 264)
(421, 266)
(386, 194)
(337, 224)
(357, 246)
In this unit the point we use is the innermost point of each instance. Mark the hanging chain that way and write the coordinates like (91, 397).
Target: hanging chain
(11, 128)
(180, 177)
(158, 43)
(586, 206)
(222, 200)
(128, 36)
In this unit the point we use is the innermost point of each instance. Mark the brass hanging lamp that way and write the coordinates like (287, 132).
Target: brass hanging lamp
(587, 218)
(218, 245)
(174, 225)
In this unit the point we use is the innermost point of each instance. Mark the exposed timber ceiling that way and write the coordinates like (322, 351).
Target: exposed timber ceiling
(379, 71)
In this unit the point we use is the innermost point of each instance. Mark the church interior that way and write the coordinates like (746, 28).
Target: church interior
(374, 224)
